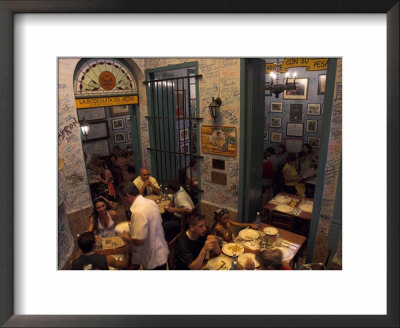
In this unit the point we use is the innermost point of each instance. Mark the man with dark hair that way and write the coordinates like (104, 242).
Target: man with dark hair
(193, 246)
(90, 260)
(147, 235)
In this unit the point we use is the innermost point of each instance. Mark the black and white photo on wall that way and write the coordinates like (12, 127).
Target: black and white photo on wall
(313, 141)
(314, 109)
(276, 136)
(266, 135)
(268, 93)
(321, 84)
(128, 122)
(276, 107)
(118, 124)
(275, 122)
(312, 126)
(296, 112)
(301, 90)
(119, 137)
(294, 129)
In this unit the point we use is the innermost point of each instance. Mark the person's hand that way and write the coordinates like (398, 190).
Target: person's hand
(147, 183)
(125, 236)
(249, 265)
(212, 242)
(253, 226)
(169, 209)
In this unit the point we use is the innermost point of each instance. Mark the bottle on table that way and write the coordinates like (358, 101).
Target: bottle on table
(234, 262)
(258, 220)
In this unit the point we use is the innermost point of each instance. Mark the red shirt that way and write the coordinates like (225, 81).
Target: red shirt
(268, 171)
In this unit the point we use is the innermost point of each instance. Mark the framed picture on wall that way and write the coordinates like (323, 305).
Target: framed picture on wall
(321, 84)
(276, 136)
(314, 109)
(266, 135)
(97, 130)
(128, 122)
(301, 90)
(294, 145)
(118, 124)
(129, 135)
(275, 122)
(313, 141)
(268, 93)
(276, 107)
(90, 114)
(296, 112)
(119, 110)
(312, 126)
(294, 129)
(119, 137)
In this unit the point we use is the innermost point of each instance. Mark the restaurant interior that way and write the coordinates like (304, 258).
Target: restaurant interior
(257, 141)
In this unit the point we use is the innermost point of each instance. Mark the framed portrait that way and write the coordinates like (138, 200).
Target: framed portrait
(119, 110)
(321, 84)
(97, 130)
(129, 136)
(184, 148)
(119, 137)
(294, 129)
(268, 93)
(118, 124)
(276, 107)
(312, 126)
(294, 145)
(184, 134)
(276, 137)
(313, 141)
(275, 122)
(90, 114)
(179, 103)
(266, 135)
(128, 122)
(219, 140)
(301, 90)
(296, 112)
(314, 109)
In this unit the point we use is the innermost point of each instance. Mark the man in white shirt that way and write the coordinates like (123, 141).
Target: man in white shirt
(147, 235)
(146, 184)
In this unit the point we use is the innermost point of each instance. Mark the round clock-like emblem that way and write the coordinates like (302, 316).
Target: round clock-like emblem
(107, 80)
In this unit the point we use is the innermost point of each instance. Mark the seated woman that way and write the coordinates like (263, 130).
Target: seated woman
(102, 219)
(105, 177)
(292, 178)
(223, 226)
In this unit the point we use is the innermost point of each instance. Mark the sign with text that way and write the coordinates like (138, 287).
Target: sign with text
(311, 64)
(106, 101)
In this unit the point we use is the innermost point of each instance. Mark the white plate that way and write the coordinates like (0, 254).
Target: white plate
(219, 263)
(242, 259)
(123, 227)
(284, 208)
(270, 231)
(231, 248)
(287, 253)
(306, 207)
(282, 199)
(249, 234)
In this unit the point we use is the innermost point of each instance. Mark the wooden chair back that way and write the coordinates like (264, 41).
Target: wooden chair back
(282, 220)
(171, 247)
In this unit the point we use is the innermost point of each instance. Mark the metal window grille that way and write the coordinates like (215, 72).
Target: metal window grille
(174, 129)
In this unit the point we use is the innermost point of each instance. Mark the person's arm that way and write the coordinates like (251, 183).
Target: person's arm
(243, 225)
(91, 224)
(128, 239)
(155, 186)
(289, 178)
(180, 210)
(112, 261)
(196, 264)
(113, 205)
(223, 233)
(139, 232)
(144, 186)
(213, 245)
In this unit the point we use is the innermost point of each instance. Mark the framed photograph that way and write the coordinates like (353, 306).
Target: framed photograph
(90, 114)
(275, 122)
(301, 91)
(128, 122)
(314, 109)
(266, 135)
(294, 145)
(184, 148)
(97, 130)
(276, 137)
(129, 136)
(276, 107)
(312, 126)
(119, 137)
(219, 140)
(313, 141)
(321, 84)
(119, 110)
(294, 129)
(179, 103)
(184, 134)
(268, 93)
(296, 112)
(118, 124)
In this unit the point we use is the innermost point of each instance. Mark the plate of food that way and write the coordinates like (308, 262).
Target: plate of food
(219, 263)
(232, 248)
(306, 207)
(282, 199)
(252, 246)
(270, 231)
(249, 234)
(242, 259)
(284, 208)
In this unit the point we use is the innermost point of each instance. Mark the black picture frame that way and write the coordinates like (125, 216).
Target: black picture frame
(9, 8)
(296, 112)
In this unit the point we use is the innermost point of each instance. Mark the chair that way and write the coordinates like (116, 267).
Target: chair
(171, 247)
(281, 220)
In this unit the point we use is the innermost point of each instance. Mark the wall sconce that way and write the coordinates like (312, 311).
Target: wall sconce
(84, 127)
(214, 107)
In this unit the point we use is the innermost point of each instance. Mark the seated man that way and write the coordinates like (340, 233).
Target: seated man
(90, 260)
(146, 184)
(193, 246)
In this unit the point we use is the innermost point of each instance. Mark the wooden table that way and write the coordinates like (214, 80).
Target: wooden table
(160, 203)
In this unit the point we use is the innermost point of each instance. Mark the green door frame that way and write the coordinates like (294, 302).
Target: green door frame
(135, 128)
